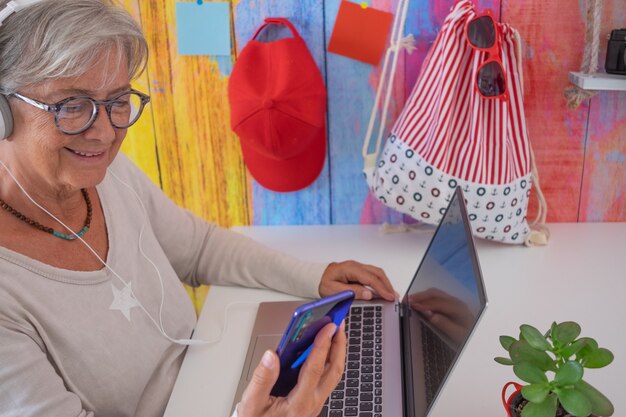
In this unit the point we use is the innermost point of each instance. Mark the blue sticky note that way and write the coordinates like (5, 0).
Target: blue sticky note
(203, 28)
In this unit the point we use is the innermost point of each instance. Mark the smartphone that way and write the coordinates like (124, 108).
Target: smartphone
(297, 340)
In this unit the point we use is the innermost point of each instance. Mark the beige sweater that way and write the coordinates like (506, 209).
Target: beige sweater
(65, 351)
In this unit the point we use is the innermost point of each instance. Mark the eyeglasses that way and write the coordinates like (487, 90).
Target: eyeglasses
(74, 115)
(483, 34)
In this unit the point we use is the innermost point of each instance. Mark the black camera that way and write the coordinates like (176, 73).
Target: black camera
(615, 53)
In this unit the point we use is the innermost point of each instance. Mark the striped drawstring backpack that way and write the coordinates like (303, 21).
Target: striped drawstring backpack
(462, 125)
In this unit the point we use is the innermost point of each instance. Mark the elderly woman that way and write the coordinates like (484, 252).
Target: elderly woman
(92, 253)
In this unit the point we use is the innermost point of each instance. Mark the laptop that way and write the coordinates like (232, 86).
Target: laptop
(399, 354)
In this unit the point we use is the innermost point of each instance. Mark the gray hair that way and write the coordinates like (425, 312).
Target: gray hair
(65, 38)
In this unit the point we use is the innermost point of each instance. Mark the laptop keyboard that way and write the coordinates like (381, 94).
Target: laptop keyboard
(439, 355)
(360, 392)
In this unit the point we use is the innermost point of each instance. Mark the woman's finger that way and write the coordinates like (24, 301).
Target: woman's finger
(336, 363)
(364, 280)
(315, 365)
(256, 397)
(371, 276)
(380, 274)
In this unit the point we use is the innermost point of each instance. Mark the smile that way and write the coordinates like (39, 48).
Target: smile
(85, 154)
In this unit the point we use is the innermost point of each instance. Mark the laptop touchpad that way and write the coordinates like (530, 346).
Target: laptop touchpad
(262, 343)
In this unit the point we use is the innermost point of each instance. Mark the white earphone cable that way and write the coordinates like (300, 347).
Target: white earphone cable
(143, 224)
(158, 325)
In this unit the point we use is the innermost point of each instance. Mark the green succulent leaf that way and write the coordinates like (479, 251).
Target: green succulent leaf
(598, 358)
(590, 346)
(507, 341)
(534, 337)
(546, 408)
(565, 333)
(569, 373)
(536, 393)
(552, 327)
(600, 405)
(573, 349)
(521, 351)
(503, 361)
(574, 402)
(530, 373)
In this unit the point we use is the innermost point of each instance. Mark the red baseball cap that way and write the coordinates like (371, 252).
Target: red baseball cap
(278, 110)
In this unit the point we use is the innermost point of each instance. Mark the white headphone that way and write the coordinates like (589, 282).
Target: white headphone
(14, 7)
(6, 118)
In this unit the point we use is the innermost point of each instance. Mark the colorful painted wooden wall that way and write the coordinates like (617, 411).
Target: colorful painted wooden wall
(185, 144)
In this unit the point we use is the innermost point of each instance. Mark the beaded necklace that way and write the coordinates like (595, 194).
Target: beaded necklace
(50, 230)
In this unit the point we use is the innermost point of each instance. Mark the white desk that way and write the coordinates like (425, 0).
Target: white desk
(580, 276)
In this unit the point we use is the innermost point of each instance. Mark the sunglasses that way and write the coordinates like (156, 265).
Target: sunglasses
(483, 34)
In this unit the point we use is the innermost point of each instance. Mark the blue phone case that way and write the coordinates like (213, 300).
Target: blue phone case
(297, 341)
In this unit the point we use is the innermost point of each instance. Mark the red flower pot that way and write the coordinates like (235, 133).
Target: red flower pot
(513, 400)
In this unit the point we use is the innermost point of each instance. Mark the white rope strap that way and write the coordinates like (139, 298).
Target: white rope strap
(589, 65)
(397, 43)
(539, 233)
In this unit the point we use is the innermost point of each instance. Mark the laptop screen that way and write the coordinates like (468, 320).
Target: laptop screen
(440, 309)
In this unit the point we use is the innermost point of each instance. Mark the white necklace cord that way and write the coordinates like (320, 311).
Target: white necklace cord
(159, 325)
(143, 224)
(126, 284)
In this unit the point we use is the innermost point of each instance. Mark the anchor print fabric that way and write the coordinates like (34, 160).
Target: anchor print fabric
(448, 135)
(405, 181)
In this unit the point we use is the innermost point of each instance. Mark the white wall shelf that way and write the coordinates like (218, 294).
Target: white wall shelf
(598, 81)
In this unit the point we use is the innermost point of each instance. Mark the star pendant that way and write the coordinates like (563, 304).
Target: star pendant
(123, 300)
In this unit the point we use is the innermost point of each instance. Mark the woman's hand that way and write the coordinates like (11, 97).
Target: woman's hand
(365, 280)
(318, 377)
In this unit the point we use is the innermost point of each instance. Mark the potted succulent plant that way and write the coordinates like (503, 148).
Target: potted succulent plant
(552, 365)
